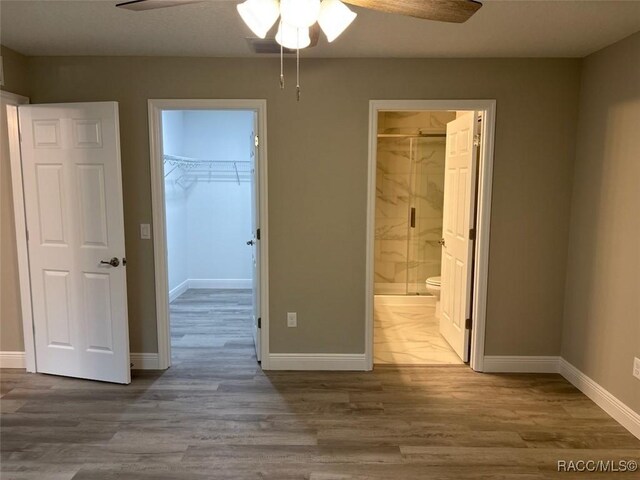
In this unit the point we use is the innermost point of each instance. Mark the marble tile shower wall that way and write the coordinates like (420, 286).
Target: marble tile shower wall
(410, 173)
(414, 122)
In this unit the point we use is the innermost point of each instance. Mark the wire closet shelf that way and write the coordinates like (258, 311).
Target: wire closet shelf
(194, 170)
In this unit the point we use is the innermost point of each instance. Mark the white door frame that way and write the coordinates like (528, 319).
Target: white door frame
(20, 219)
(483, 218)
(159, 216)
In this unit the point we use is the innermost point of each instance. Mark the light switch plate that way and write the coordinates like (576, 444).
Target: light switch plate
(636, 367)
(145, 231)
(292, 319)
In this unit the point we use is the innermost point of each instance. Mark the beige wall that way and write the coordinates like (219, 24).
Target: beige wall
(602, 309)
(15, 71)
(318, 177)
(15, 78)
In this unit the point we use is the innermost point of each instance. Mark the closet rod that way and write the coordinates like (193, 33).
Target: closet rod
(192, 162)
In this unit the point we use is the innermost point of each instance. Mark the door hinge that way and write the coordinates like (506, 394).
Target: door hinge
(472, 234)
(467, 324)
(258, 234)
(259, 322)
(476, 140)
(256, 141)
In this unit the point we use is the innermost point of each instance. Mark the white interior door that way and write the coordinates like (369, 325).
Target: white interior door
(73, 204)
(255, 240)
(457, 249)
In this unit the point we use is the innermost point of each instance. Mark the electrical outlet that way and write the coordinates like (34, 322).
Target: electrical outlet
(636, 367)
(292, 319)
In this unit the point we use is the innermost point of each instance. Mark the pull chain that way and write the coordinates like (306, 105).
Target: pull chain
(281, 63)
(298, 66)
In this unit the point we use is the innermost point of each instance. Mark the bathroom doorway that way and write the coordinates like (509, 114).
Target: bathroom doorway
(410, 171)
(426, 248)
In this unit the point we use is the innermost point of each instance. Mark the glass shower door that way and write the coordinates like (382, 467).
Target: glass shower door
(409, 195)
(413, 237)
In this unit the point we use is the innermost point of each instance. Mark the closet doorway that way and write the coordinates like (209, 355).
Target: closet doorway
(208, 163)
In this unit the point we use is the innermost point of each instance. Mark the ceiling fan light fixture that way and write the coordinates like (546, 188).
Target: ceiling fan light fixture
(259, 15)
(300, 13)
(334, 18)
(292, 37)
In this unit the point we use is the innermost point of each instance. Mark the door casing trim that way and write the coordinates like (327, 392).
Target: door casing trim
(20, 221)
(483, 216)
(155, 107)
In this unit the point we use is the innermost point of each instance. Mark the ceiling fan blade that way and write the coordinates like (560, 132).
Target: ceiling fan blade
(141, 5)
(454, 11)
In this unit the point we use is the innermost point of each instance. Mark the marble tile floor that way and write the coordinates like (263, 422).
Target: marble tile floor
(409, 335)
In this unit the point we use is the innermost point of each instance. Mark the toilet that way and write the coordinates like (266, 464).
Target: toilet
(433, 288)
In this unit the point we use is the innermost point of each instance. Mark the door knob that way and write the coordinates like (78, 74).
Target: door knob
(114, 262)
(441, 242)
(251, 242)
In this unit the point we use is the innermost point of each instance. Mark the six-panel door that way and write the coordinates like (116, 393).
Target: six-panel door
(73, 202)
(458, 217)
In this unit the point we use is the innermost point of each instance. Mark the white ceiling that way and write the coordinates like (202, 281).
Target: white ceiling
(515, 28)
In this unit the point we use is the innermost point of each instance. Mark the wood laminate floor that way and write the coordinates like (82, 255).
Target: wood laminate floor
(216, 415)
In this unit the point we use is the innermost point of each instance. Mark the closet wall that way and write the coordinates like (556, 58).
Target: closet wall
(208, 221)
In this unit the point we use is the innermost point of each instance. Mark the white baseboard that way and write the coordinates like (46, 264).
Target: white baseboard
(220, 283)
(140, 361)
(196, 283)
(179, 290)
(144, 361)
(399, 288)
(404, 300)
(601, 397)
(357, 362)
(520, 364)
(12, 360)
(317, 361)
(552, 364)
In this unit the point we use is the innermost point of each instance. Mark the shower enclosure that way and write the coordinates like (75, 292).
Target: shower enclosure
(409, 199)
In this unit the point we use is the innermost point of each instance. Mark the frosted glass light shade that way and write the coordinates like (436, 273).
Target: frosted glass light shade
(292, 37)
(259, 15)
(300, 13)
(334, 18)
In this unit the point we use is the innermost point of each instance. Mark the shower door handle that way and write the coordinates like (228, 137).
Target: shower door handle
(413, 217)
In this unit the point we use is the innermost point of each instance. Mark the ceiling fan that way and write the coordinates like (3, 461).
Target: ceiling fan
(453, 11)
(301, 20)
(298, 28)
